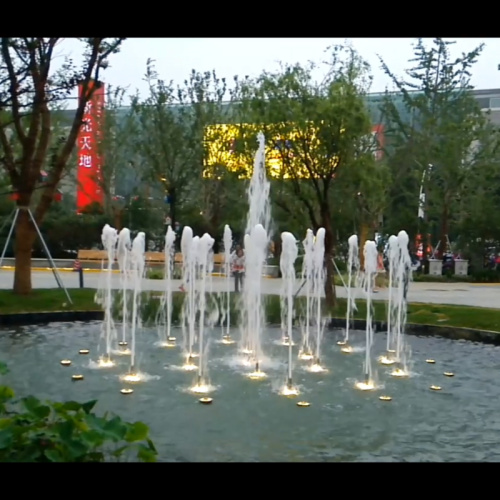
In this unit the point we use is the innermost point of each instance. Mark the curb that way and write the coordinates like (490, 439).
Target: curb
(335, 324)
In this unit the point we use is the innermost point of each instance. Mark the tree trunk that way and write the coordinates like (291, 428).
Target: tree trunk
(363, 236)
(330, 295)
(25, 238)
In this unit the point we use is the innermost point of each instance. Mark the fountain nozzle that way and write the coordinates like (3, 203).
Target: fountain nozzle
(289, 384)
(257, 368)
(367, 378)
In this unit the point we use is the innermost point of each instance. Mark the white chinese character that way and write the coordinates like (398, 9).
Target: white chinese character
(86, 142)
(85, 161)
(87, 126)
(88, 108)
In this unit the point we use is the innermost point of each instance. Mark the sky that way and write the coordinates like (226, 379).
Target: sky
(176, 57)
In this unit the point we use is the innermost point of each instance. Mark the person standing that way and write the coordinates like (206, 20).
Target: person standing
(238, 267)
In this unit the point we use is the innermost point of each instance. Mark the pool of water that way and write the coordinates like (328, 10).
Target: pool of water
(249, 421)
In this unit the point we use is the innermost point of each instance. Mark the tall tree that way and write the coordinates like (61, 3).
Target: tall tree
(170, 126)
(441, 119)
(29, 87)
(318, 129)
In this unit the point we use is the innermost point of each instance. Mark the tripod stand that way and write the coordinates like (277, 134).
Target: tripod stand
(15, 213)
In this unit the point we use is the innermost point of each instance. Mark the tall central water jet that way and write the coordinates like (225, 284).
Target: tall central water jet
(109, 238)
(370, 255)
(137, 268)
(352, 264)
(289, 253)
(259, 211)
(253, 311)
(307, 277)
(123, 257)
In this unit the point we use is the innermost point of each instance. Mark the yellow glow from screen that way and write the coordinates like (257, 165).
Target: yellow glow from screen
(281, 164)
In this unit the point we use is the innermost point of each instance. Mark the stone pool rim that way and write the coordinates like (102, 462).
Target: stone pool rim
(450, 332)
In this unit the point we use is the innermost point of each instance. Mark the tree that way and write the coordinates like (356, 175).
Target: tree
(316, 131)
(29, 89)
(443, 121)
(170, 128)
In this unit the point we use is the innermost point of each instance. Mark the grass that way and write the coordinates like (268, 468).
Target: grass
(46, 300)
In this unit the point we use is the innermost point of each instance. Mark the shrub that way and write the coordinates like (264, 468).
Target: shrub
(36, 431)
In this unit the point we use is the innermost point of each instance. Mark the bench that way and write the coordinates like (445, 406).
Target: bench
(92, 255)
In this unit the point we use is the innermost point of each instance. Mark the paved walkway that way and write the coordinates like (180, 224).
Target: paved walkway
(478, 295)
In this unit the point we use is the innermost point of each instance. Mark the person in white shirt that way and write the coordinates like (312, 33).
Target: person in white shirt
(238, 267)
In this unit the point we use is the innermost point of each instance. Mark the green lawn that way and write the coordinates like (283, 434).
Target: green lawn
(83, 299)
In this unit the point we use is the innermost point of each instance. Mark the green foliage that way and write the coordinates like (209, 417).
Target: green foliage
(437, 137)
(44, 431)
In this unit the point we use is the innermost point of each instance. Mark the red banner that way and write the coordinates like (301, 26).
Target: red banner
(89, 188)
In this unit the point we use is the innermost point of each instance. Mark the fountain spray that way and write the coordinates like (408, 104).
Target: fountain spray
(259, 211)
(370, 254)
(109, 238)
(352, 262)
(403, 277)
(166, 302)
(228, 243)
(189, 245)
(318, 287)
(138, 266)
(253, 310)
(307, 277)
(204, 247)
(289, 253)
(393, 257)
(123, 257)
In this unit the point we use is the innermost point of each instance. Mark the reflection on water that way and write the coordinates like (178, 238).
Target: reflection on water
(248, 421)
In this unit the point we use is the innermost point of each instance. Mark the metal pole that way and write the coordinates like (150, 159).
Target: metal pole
(16, 212)
(54, 270)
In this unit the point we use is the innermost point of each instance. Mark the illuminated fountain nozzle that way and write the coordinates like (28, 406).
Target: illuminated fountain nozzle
(189, 366)
(386, 360)
(346, 348)
(200, 387)
(257, 374)
(342, 342)
(289, 389)
(306, 355)
(105, 362)
(366, 385)
(246, 351)
(226, 339)
(123, 343)
(132, 376)
(316, 367)
(286, 341)
(400, 373)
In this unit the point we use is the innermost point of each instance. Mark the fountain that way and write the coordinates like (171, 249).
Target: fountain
(403, 276)
(259, 211)
(253, 317)
(393, 257)
(318, 287)
(203, 249)
(109, 239)
(189, 248)
(289, 253)
(164, 318)
(352, 263)
(226, 311)
(137, 264)
(370, 255)
(123, 257)
(305, 352)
